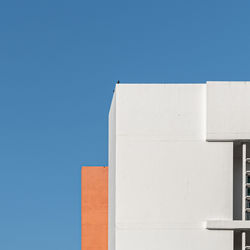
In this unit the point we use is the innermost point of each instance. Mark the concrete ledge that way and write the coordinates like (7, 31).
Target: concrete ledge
(234, 225)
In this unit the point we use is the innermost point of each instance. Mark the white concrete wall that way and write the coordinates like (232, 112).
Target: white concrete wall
(112, 175)
(168, 179)
(228, 111)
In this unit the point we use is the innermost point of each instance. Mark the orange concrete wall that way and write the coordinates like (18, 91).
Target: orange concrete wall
(94, 208)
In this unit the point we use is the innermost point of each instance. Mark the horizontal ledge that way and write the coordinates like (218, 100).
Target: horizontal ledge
(235, 225)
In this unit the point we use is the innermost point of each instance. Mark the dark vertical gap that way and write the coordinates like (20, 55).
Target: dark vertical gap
(237, 241)
(237, 191)
(237, 181)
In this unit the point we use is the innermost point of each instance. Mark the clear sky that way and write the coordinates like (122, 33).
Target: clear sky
(59, 61)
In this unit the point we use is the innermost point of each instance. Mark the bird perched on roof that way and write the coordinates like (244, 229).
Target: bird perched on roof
(116, 83)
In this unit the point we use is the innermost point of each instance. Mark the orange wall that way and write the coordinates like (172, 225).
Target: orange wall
(94, 208)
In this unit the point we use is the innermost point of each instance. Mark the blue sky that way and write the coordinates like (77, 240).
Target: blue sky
(59, 61)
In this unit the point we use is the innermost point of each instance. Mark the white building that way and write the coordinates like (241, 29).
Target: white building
(176, 155)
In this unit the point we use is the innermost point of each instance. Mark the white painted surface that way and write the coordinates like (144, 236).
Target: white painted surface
(228, 225)
(164, 111)
(168, 179)
(228, 111)
(112, 177)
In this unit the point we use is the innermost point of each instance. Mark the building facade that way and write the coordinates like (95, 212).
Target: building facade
(178, 166)
(94, 208)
